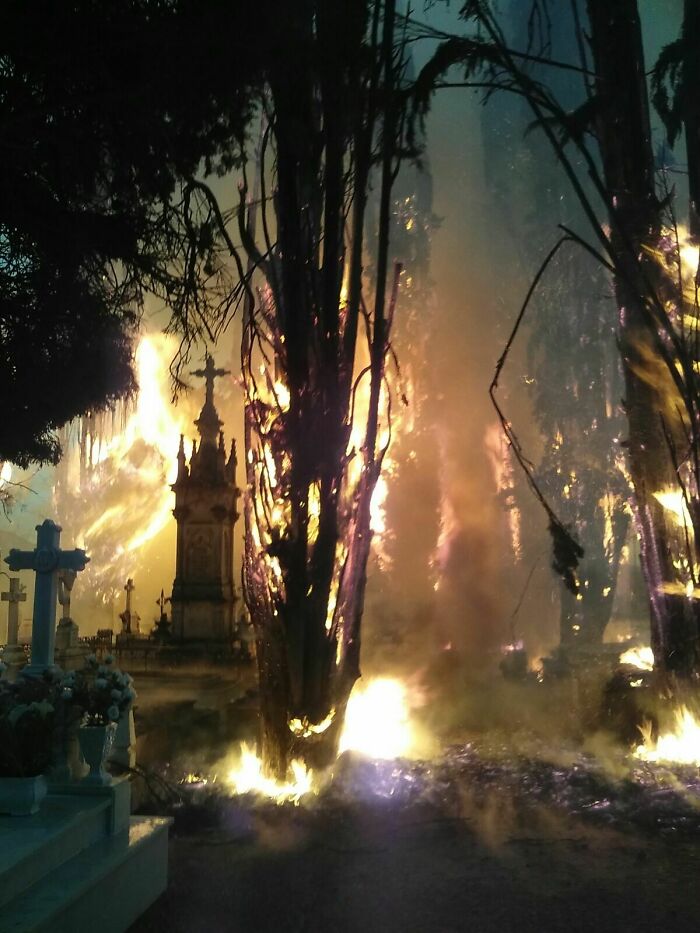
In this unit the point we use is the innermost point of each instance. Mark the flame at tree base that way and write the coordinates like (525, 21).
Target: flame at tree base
(377, 725)
(681, 745)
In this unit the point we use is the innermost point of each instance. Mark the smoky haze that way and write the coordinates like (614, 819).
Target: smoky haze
(450, 576)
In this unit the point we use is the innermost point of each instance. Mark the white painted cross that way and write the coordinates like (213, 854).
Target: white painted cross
(46, 560)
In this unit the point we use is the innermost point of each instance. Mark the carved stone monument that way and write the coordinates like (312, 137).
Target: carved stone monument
(70, 654)
(47, 560)
(204, 598)
(13, 655)
(131, 620)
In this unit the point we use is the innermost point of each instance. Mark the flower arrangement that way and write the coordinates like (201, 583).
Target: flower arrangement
(99, 693)
(27, 722)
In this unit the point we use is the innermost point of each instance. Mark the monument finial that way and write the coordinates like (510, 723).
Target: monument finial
(208, 423)
(209, 374)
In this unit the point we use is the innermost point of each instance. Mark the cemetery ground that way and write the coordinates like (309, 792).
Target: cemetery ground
(502, 830)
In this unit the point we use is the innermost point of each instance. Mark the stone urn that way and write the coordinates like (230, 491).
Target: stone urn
(21, 796)
(95, 744)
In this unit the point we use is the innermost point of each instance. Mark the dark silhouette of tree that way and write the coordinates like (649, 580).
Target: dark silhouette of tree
(318, 408)
(104, 108)
(318, 413)
(678, 71)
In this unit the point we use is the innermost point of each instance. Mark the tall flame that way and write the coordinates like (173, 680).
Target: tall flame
(121, 500)
(680, 745)
(377, 724)
(377, 720)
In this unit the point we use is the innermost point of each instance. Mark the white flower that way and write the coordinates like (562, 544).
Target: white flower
(113, 713)
(66, 693)
(43, 708)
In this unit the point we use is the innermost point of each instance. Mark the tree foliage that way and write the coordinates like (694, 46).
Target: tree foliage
(104, 108)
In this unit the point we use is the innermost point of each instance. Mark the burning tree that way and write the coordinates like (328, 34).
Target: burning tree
(654, 271)
(318, 406)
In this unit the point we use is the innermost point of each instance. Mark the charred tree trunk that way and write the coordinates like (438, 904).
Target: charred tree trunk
(624, 137)
(314, 455)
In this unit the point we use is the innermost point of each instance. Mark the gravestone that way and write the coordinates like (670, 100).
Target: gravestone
(46, 560)
(70, 654)
(131, 620)
(14, 655)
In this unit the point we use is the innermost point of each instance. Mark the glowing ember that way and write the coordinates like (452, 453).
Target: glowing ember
(194, 779)
(680, 746)
(377, 720)
(247, 777)
(641, 658)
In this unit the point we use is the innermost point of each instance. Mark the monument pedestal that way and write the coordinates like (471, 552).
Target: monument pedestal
(81, 863)
(70, 654)
(16, 658)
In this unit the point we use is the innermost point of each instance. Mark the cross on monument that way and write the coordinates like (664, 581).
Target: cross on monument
(46, 560)
(14, 596)
(209, 373)
(161, 603)
(130, 587)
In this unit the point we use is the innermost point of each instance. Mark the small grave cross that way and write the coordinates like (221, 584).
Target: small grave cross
(130, 587)
(14, 596)
(46, 560)
(161, 603)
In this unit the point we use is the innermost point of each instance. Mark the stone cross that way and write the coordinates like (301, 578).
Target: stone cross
(209, 373)
(13, 655)
(129, 590)
(46, 560)
(15, 595)
(161, 603)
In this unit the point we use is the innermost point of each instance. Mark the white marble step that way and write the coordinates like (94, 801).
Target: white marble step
(32, 847)
(105, 887)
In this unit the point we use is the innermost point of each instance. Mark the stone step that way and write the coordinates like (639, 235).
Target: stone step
(104, 887)
(31, 847)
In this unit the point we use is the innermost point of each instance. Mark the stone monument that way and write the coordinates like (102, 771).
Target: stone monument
(70, 654)
(131, 621)
(47, 560)
(13, 655)
(203, 597)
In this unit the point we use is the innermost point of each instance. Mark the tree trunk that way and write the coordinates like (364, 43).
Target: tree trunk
(312, 455)
(625, 143)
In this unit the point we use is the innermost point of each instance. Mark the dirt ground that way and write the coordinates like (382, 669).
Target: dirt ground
(386, 867)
